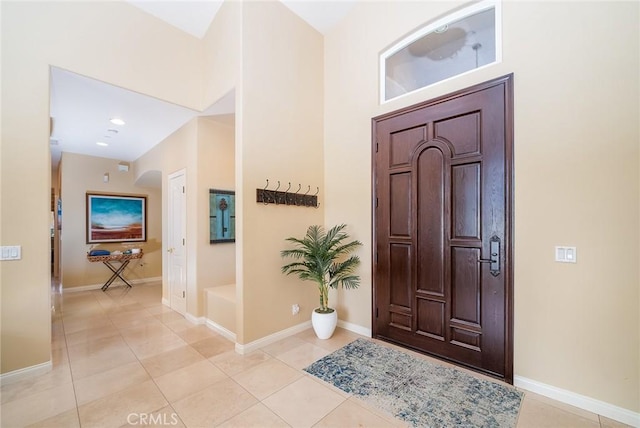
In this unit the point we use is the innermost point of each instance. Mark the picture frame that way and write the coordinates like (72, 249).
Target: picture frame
(116, 218)
(222, 216)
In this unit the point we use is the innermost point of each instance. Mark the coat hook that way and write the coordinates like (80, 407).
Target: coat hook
(317, 191)
(286, 195)
(275, 193)
(265, 198)
(296, 197)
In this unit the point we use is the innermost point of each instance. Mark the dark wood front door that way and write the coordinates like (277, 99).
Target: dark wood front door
(442, 227)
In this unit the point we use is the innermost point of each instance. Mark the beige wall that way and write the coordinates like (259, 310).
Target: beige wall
(143, 54)
(170, 156)
(222, 52)
(82, 174)
(576, 78)
(281, 125)
(216, 170)
(204, 149)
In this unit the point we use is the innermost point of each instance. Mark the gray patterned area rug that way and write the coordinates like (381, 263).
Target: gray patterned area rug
(421, 393)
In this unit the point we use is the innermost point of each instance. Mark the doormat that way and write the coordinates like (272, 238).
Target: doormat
(417, 391)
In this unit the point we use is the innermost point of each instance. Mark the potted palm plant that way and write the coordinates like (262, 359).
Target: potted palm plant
(326, 259)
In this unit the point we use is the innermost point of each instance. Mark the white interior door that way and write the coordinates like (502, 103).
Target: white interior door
(176, 247)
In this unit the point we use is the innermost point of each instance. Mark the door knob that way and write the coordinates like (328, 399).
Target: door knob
(494, 261)
(170, 250)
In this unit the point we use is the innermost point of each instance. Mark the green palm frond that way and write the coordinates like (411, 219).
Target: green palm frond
(321, 259)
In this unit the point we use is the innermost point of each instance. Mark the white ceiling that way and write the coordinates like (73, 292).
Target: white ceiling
(81, 107)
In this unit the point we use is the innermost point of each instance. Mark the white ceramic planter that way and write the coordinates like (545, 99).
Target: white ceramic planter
(324, 324)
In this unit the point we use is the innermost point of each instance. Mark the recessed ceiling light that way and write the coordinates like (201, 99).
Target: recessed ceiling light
(101, 143)
(117, 121)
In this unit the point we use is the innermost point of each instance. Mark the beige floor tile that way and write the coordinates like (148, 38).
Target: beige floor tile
(303, 355)
(562, 406)
(536, 414)
(114, 410)
(108, 382)
(98, 337)
(283, 345)
(83, 336)
(145, 332)
(350, 414)
(130, 322)
(267, 378)
(169, 361)
(59, 375)
(79, 323)
(37, 407)
(233, 363)
(95, 347)
(123, 305)
(610, 423)
(381, 413)
(156, 345)
(163, 418)
(214, 404)
(68, 419)
(96, 359)
(187, 380)
(257, 416)
(197, 333)
(213, 346)
(303, 403)
(328, 385)
(163, 316)
(179, 325)
(162, 309)
(340, 338)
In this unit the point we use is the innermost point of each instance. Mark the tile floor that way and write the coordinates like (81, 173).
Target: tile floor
(120, 358)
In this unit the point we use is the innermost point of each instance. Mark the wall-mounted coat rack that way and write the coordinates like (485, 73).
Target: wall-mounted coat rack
(287, 197)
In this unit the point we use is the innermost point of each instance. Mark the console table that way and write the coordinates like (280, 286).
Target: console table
(109, 261)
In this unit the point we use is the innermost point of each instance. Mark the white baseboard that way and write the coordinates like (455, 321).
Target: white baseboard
(220, 329)
(166, 302)
(272, 338)
(583, 402)
(355, 328)
(17, 375)
(194, 319)
(119, 283)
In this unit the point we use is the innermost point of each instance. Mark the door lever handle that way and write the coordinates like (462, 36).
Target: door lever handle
(494, 248)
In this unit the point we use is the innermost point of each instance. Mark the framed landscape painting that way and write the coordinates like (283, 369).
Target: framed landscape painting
(116, 218)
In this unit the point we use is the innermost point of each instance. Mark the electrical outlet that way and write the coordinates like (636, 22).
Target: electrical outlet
(295, 309)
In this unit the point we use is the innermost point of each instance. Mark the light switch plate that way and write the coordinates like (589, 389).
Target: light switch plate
(566, 254)
(10, 252)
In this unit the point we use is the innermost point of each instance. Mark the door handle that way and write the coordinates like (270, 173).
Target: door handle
(494, 261)
(170, 250)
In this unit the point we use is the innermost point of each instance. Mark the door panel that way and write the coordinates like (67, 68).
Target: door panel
(442, 177)
(177, 258)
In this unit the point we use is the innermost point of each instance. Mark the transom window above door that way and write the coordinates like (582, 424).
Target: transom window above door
(459, 43)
